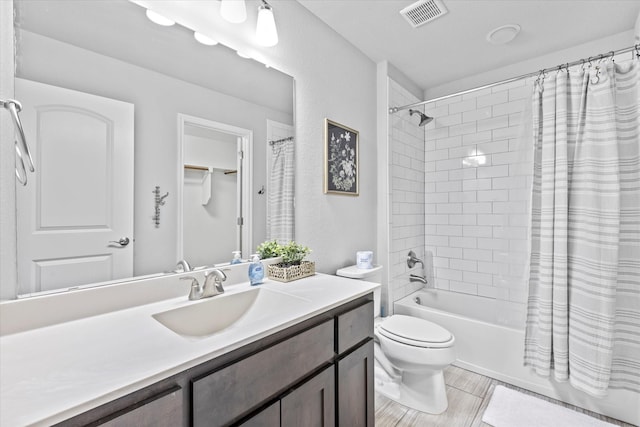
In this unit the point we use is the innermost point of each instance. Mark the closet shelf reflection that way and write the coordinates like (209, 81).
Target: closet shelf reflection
(209, 169)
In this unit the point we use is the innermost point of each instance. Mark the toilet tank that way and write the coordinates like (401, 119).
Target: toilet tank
(370, 275)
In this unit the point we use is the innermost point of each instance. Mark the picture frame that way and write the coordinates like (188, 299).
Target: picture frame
(341, 159)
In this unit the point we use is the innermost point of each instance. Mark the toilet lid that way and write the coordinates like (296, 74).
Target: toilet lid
(414, 331)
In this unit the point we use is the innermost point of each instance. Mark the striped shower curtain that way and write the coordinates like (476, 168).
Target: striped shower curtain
(280, 215)
(583, 317)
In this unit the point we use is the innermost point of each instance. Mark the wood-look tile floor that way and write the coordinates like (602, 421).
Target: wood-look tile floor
(469, 395)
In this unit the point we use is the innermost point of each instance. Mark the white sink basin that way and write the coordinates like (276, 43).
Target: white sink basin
(215, 314)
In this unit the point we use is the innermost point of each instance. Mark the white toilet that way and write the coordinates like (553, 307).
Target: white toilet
(410, 354)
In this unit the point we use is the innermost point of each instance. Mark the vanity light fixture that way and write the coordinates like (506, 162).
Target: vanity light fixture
(266, 32)
(159, 19)
(234, 11)
(204, 39)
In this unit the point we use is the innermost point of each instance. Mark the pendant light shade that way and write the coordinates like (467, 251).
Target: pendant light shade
(204, 39)
(266, 32)
(234, 11)
(155, 17)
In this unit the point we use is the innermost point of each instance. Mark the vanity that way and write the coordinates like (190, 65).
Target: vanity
(293, 354)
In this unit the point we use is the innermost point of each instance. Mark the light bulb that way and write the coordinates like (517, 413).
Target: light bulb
(234, 11)
(204, 39)
(266, 31)
(159, 19)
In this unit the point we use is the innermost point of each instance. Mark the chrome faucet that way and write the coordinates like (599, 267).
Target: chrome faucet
(212, 285)
(183, 266)
(416, 278)
(412, 260)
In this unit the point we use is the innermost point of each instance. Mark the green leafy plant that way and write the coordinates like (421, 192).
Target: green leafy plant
(292, 253)
(269, 249)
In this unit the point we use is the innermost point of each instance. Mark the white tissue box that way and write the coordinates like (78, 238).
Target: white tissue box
(364, 259)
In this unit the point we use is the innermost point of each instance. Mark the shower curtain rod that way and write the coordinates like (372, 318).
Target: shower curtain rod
(289, 138)
(524, 76)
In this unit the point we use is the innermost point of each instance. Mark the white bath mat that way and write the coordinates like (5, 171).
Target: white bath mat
(510, 408)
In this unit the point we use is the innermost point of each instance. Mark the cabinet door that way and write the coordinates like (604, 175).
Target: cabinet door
(269, 417)
(355, 388)
(159, 412)
(312, 404)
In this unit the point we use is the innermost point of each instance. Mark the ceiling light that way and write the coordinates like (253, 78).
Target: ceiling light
(243, 55)
(266, 31)
(234, 11)
(503, 34)
(159, 19)
(204, 39)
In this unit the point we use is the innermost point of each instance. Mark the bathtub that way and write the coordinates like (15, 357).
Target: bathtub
(490, 341)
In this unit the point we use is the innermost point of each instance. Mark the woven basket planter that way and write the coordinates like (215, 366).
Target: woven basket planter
(294, 272)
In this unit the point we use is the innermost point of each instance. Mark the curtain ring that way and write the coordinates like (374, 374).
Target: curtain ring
(595, 80)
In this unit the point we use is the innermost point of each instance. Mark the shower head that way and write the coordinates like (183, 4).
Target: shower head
(424, 119)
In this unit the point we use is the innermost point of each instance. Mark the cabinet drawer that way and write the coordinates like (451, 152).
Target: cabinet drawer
(355, 326)
(223, 396)
(165, 410)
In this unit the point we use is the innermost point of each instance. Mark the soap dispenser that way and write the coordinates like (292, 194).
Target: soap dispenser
(236, 257)
(256, 270)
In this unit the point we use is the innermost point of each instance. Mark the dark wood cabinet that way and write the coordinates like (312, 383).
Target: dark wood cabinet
(318, 372)
(355, 387)
(268, 417)
(225, 395)
(161, 411)
(313, 404)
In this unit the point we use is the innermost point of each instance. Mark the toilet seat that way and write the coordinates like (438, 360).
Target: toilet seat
(415, 332)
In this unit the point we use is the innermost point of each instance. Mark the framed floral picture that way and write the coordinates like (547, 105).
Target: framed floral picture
(340, 159)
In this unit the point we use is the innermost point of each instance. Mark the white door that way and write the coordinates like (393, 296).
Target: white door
(75, 216)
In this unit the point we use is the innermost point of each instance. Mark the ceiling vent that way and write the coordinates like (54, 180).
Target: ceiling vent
(423, 11)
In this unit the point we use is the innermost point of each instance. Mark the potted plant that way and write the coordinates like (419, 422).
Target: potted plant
(268, 249)
(293, 265)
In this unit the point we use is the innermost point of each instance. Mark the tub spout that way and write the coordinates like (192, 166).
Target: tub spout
(416, 278)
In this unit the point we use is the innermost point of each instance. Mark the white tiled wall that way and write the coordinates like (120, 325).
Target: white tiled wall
(477, 173)
(407, 188)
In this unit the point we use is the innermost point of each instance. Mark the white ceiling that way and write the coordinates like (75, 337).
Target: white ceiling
(454, 46)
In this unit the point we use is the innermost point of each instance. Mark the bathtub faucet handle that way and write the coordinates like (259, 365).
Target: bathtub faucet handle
(412, 260)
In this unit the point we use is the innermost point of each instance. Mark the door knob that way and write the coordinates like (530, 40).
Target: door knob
(124, 241)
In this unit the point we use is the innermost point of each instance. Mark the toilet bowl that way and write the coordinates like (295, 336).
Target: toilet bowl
(419, 350)
(410, 355)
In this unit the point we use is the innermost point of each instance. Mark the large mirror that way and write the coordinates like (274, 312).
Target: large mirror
(149, 99)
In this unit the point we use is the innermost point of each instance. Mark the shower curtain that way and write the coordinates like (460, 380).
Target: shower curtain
(280, 218)
(583, 316)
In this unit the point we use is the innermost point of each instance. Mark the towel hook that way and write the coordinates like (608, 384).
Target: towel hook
(22, 147)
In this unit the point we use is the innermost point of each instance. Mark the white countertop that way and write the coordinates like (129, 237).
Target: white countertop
(51, 373)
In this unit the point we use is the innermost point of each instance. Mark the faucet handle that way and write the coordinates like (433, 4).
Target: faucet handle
(216, 288)
(195, 292)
